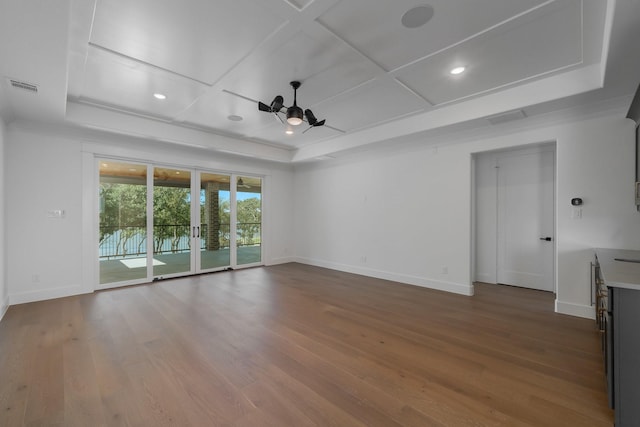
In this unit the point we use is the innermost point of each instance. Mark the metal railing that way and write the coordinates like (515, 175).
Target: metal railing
(131, 241)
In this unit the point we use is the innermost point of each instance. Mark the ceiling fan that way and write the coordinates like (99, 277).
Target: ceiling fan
(242, 184)
(295, 115)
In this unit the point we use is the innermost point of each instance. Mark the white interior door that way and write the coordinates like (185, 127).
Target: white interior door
(525, 219)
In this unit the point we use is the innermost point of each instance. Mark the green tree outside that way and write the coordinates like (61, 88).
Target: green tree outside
(123, 208)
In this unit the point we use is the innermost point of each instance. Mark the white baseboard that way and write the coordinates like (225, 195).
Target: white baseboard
(4, 307)
(458, 288)
(577, 310)
(284, 260)
(45, 294)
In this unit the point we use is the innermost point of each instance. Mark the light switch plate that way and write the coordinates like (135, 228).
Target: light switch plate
(56, 213)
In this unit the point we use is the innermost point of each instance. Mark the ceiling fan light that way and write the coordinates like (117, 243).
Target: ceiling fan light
(294, 115)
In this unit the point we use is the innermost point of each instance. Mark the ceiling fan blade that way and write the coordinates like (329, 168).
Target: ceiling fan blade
(277, 103)
(315, 124)
(310, 117)
(264, 107)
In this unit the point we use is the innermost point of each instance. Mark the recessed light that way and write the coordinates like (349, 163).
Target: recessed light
(159, 96)
(177, 172)
(235, 118)
(104, 165)
(417, 16)
(457, 70)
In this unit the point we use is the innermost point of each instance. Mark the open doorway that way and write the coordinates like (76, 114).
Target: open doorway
(515, 217)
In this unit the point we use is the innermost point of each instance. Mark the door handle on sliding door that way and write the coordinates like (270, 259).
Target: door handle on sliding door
(198, 231)
(193, 234)
(547, 239)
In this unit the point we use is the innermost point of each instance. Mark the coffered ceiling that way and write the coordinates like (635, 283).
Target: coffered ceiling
(366, 66)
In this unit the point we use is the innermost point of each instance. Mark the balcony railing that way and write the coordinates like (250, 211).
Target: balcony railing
(131, 241)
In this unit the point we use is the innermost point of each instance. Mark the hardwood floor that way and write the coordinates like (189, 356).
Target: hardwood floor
(295, 345)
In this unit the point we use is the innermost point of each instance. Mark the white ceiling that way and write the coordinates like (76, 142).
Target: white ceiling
(97, 64)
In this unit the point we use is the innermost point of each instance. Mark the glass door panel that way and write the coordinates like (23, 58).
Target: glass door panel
(165, 222)
(172, 230)
(248, 220)
(123, 221)
(215, 225)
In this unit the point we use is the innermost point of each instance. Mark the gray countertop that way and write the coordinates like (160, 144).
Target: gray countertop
(617, 273)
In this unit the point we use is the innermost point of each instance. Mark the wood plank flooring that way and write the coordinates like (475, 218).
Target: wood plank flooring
(295, 345)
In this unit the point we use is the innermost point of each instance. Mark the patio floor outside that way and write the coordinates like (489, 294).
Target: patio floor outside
(126, 269)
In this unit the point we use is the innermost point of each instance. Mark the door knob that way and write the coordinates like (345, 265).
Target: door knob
(546, 239)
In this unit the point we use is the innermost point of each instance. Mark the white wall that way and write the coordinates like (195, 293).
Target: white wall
(4, 289)
(409, 212)
(596, 162)
(402, 217)
(49, 167)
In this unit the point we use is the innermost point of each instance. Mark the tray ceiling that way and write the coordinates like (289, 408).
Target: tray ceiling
(359, 66)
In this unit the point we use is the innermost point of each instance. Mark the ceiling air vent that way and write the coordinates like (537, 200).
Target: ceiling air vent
(506, 117)
(23, 85)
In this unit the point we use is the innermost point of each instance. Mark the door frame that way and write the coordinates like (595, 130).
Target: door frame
(478, 275)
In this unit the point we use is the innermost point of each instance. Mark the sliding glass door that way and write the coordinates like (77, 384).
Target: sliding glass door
(248, 220)
(214, 209)
(161, 222)
(122, 242)
(173, 227)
